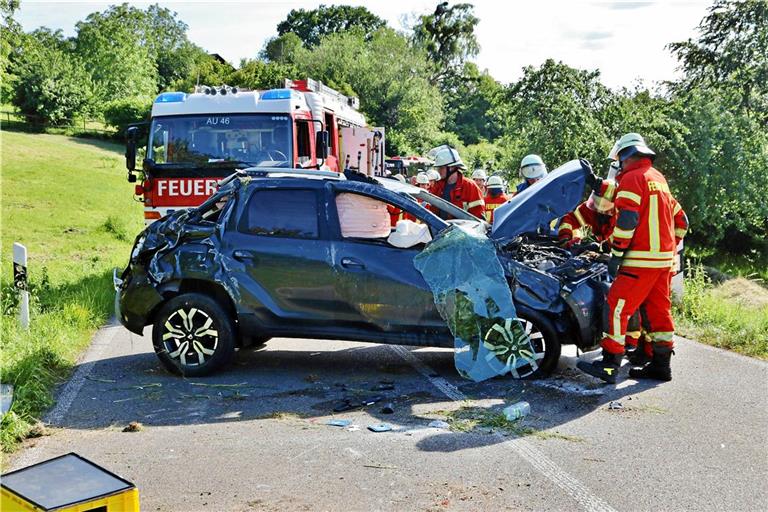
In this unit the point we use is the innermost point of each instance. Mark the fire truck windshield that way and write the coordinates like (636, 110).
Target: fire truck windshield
(217, 139)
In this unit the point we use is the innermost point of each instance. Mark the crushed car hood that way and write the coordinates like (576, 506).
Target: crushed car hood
(538, 205)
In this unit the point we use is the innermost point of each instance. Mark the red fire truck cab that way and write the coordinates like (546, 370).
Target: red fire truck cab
(197, 139)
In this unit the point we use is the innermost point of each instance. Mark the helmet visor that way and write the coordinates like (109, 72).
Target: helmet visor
(533, 171)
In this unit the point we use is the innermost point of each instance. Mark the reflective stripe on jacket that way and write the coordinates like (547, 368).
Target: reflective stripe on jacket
(491, 203)
(466, 195)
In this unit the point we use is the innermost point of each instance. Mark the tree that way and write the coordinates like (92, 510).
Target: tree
(469, 105)
(51, 84)
(390, 76)
(111, 49)
(257, 74)
(448, 37)
(11, 38)
(731, 53)
(554, 111)
(281, 49)
(311, 25)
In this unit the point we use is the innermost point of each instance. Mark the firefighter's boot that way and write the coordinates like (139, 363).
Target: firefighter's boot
(641, 354)
(605, 369)
(657, 369)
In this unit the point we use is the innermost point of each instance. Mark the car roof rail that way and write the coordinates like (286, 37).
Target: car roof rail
(266, 171)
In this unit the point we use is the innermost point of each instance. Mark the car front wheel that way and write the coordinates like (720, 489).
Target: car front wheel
(193, 335)
(545, 343)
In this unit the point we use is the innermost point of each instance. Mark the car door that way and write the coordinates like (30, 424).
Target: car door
(280, 258)
(378, 282)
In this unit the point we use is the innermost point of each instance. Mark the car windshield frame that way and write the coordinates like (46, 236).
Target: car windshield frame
(246, 147)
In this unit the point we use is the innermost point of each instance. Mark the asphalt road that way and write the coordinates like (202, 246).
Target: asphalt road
(255, 437)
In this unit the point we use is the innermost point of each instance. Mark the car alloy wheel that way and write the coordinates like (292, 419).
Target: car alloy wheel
(189, 336)
(538, 344)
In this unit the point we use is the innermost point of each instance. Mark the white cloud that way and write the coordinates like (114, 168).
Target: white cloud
(623, 39)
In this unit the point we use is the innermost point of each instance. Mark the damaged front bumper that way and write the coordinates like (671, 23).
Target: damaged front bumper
(135, 300)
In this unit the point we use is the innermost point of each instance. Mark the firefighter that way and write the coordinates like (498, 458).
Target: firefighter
(453, 186)
(423, 181)
(532, 169)
(434, 177)
(495, 196)
(480, 177)
(648, 226)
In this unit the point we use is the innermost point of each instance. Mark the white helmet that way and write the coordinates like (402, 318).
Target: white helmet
(422, 179)
(446, 156)
(630, 144)
(495, 182)
(479, 174)
(532, 167)
(399, 177)
(433, 175)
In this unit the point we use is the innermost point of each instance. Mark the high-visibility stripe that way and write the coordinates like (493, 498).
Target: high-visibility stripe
(680, 232)
(565, 226)
(653, 224)
(633, 334)
(677, 209)
(628, 195)
(617, 339)
(628, 262)
(467, 206)
(610, 190)
(616, 326)
(579, 217)
(661, 336)
(651, 255)
(623, 233)
(617, 253)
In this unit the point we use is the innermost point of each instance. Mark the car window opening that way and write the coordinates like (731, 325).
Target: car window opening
(282, 213)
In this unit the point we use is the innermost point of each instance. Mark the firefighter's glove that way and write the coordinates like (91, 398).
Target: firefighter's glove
(591, 179)
(613, 265)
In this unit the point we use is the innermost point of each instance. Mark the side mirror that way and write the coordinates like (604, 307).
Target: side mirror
(322, 144)
(131, 135)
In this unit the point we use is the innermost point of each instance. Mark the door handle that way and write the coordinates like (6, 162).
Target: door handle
(352, 263)
(244, 256)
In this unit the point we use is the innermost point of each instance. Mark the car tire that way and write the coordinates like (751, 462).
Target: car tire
(543, 336)
(193, 335)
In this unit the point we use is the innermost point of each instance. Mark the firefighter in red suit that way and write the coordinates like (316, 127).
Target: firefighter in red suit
(453, 186)
(648, 225)
(495, 196)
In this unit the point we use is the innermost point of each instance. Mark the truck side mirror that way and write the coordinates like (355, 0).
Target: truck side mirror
(131, 134)
(322, 144)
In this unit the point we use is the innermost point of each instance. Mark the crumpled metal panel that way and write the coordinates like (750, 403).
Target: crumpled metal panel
(472, 295)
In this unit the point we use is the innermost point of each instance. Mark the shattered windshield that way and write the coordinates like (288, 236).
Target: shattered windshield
(207, 140)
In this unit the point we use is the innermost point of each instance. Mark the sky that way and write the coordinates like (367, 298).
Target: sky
(624, 39)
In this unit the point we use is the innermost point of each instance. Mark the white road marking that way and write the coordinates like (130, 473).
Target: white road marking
(524, 449)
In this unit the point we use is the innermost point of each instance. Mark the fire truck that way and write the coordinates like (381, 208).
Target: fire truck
(195, 140)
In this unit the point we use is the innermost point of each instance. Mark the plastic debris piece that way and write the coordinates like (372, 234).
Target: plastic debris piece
(353, 428)
(462, 269)
(338, 423)
(517, 411)
(438, 424)
(615, 405)
(388, 409)
(382, 427)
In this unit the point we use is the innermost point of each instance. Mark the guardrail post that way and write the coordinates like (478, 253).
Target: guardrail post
(20, 281)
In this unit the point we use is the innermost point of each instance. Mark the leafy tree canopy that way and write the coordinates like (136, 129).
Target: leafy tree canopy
(311, 25)
(448, 37)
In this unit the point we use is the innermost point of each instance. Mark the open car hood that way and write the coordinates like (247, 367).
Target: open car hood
(538, 205)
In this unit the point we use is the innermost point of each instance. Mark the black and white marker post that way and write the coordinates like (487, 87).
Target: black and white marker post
(20, 281)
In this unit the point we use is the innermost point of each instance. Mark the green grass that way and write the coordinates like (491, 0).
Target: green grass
(732, 315)
(68, 201)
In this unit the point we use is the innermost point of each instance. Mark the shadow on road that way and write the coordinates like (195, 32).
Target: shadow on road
(282, 383)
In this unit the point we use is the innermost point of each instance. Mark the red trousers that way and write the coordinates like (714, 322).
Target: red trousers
(645, 288)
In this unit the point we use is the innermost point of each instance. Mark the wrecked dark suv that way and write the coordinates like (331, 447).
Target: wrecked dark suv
(304, 254)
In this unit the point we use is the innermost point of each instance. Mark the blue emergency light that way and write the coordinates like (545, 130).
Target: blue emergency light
(278, 94)
(171, 97)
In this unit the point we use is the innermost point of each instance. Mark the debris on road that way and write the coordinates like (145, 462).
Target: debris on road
(615, 405)
(379, 466)
(134, 426)
(517, 411)
(151, 385)
(353, 428)
(439, 424)
(382, 427)
(388, 409)
(338, 423)
(240, 385)
(347, 404)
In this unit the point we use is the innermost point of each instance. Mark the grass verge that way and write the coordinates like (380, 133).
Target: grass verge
(731, 315)
(68, 202)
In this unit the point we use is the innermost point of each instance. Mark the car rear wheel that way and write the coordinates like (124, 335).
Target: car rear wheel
(545, 343)
(193, 335)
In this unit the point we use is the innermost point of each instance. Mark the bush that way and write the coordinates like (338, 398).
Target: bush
(122, 112)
